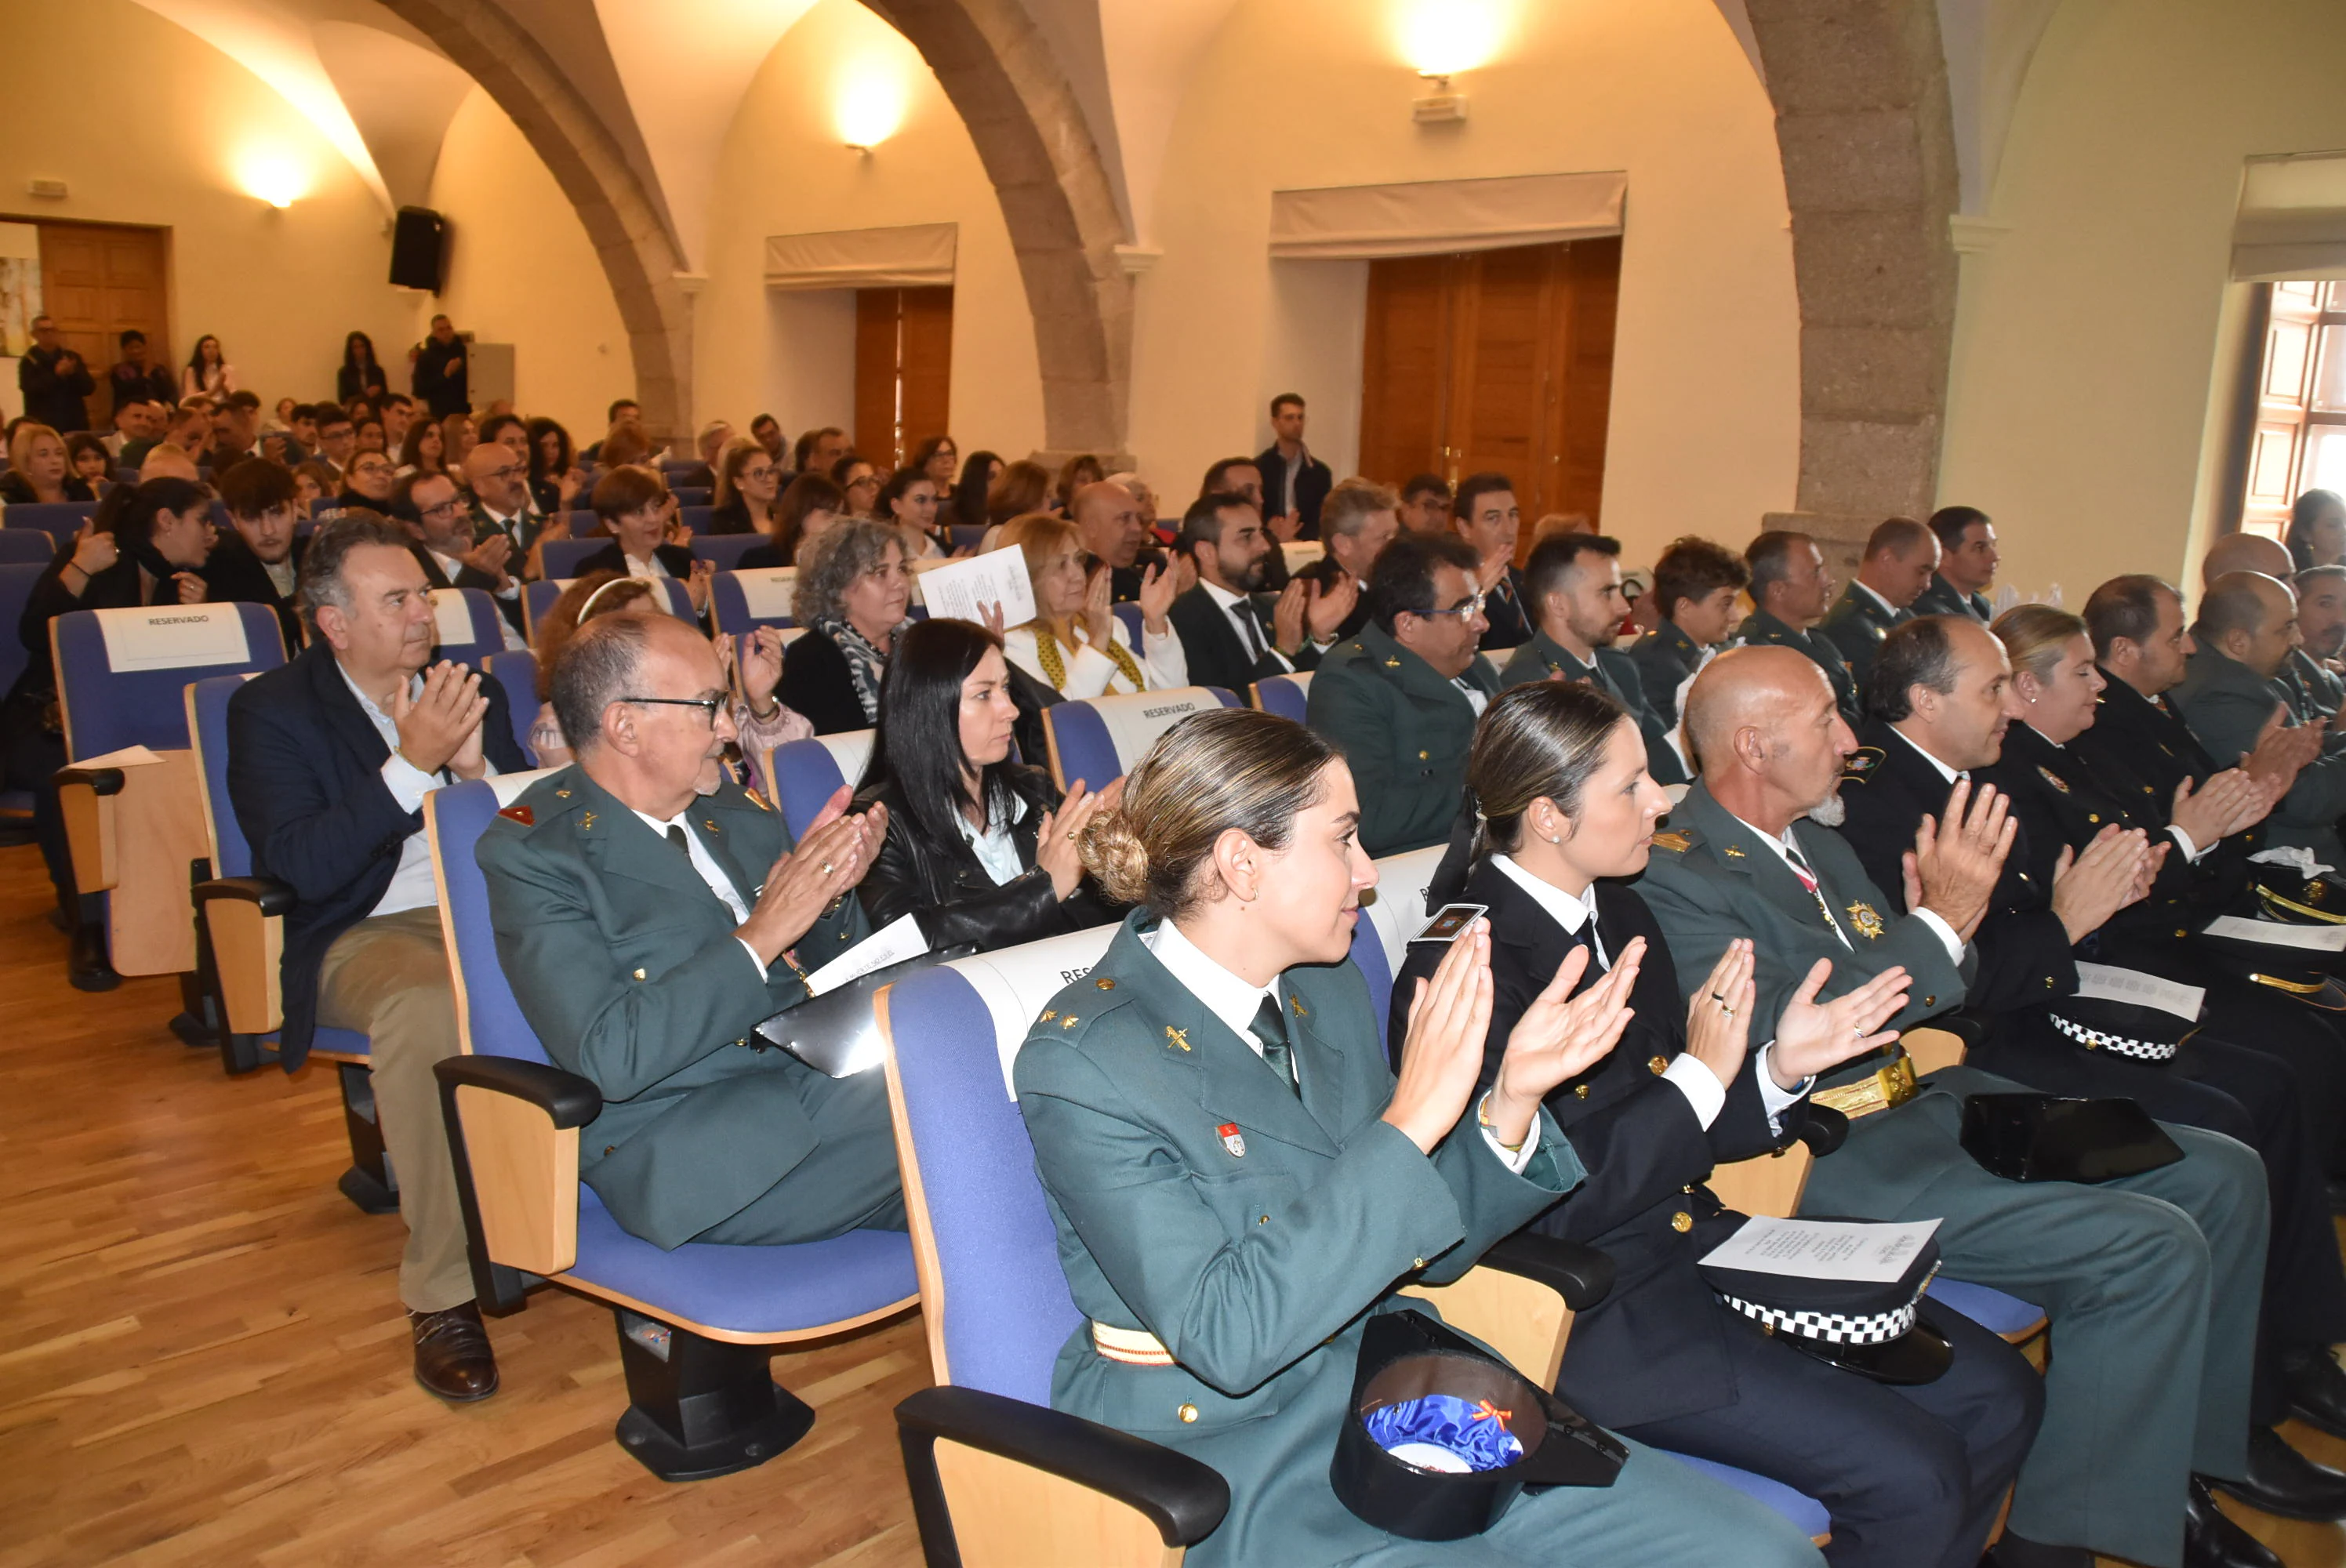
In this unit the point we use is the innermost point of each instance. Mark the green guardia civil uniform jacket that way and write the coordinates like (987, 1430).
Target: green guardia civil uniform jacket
(1253, 1232)
(626, 964)
(1405, 729)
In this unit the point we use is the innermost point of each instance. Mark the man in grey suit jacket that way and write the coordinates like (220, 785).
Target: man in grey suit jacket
(648, 914)
(2153, 1304)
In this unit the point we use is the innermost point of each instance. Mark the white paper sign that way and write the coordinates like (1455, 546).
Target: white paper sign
(1823, 1249)
(451, 618)
(965, 590)
(172, 636)
(2107, 982)
(1136, 720)
(767, 592)
(894, 942)
(129, 757)
(2272, 933)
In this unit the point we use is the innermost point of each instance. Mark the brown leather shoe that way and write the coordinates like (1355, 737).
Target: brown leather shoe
(452, 1359)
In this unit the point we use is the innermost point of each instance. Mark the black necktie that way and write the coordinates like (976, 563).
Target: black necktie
(1246, 626)
(1269, 1027)
(676, 839)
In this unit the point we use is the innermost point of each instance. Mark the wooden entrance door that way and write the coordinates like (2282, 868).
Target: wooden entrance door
(903, 371)
(1496, 360)
(98, 281)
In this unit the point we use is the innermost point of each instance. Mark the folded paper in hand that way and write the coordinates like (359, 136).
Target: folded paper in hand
(1823, 1249)
(965, 590)
(2273, 933)
(894, 942)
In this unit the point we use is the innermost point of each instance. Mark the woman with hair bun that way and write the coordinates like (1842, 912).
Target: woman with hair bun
(1560, 813)
(1239, 1182)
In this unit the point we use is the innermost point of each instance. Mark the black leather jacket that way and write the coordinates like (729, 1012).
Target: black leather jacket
(956, 901)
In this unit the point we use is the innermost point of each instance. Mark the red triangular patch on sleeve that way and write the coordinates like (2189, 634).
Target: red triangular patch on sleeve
(521, 814)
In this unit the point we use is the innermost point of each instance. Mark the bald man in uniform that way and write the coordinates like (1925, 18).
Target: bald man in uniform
(2246, 631)
(2119, 1465)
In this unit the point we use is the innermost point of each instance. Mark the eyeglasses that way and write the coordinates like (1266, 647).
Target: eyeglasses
(709, 706)
(509, 471)
(444, 509)
(1465, 611)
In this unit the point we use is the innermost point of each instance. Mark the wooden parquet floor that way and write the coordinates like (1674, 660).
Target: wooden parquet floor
(202, 1359)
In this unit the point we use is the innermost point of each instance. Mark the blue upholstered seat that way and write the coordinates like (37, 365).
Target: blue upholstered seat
(1134, 621)
(1284, 695)
(725, 550)
(20, 545)
(745, 601)
(1097, 739)
(483, 626)
(807, 773)
(560, 558)
(60, 519)
(517, 671)
(106, 709)
(768, 1294)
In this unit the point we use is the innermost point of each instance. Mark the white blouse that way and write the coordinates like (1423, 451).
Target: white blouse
(1091, 673)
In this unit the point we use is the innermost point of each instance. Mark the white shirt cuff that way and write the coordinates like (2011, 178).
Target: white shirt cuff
(408, 783)
(753, 957)
(1944, 932)
(1776, 1101)
(1702, 1087)
(2191, 851)
(1514, 1159)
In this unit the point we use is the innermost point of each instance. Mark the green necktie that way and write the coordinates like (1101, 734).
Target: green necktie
(1269, 1027)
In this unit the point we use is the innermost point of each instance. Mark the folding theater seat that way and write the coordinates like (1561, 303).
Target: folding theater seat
(134, 821)
(517, 671)
(803, 775)
(61, 520)
(538, 598)
(725, 550)
(468, 625)
(697, 1325)
(239, 939)
(560, 558)
(1097, 739)
(21, 546)
(1283, 695)
(999, 1477)
(745, 601)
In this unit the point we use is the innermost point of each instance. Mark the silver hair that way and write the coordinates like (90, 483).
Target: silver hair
(330, 549)
(827, 567)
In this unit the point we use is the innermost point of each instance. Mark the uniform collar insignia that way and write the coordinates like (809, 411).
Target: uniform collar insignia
(1172, 1036)
(1732, 851)
(1677, 843)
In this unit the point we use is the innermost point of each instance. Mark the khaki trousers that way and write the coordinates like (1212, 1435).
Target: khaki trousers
(387, 977)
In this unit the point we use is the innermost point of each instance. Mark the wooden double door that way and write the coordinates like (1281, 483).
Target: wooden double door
(97, 281)
(903, 371)
(1499, 361)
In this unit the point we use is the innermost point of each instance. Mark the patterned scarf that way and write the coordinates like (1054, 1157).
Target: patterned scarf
(1055, 663)
(865, 664)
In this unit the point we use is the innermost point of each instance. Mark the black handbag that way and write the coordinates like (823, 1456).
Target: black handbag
(1407, 1355)
(837, 1033)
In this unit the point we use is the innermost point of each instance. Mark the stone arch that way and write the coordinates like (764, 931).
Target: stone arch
(1864, 131)
(1057, 198)
(625, 221)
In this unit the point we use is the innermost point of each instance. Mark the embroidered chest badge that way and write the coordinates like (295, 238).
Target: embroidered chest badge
(1232, 1139)
(2053, 779)
(1868, 921)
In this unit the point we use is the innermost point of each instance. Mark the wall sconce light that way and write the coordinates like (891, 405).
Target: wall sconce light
(872, 104)
(274, 180)
(1439, 106)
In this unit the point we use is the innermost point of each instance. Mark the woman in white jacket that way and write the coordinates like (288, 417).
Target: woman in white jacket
(1075, 645)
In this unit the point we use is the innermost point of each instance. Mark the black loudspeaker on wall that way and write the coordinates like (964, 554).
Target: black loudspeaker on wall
(418, 249)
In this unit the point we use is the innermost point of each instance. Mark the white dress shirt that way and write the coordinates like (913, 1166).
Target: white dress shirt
(412, 885)
(1887, 607)
(1239, 611)
(1236, 1001)
(995, 850)
(1931, 918)
(651, 566)
(1705, 1094)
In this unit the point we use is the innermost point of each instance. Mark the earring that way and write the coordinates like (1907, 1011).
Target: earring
(1555, 839)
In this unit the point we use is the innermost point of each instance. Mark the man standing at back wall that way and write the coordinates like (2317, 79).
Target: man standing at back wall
(1294, 483)
(442, 376)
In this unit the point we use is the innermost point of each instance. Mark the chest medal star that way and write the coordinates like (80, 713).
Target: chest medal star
(1868, 921)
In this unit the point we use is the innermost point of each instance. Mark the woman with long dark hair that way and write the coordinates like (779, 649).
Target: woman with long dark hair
(938, 458)
(747, 484)
(361, 373)
(909, 501)
(1240, 1183)
(206, 371)
(425, 450)
(966, 505)
(555, 480)
(807, 511)
(981, 848)
(1560, 814)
